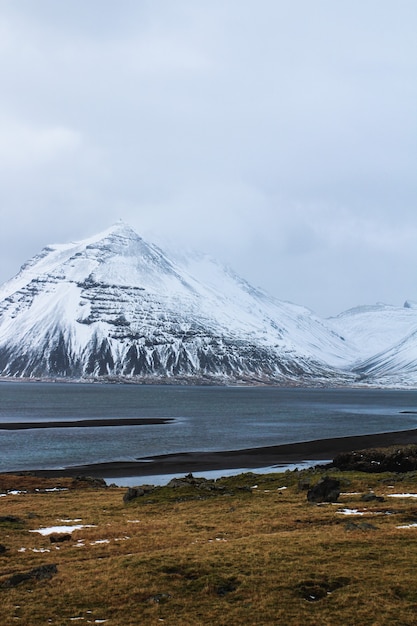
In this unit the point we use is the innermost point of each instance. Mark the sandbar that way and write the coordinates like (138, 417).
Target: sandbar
(248, 458)
(100, 422)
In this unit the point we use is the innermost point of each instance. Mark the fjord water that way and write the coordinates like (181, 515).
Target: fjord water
(205, 418)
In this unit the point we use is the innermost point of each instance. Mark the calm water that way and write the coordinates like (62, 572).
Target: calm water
(206, 418)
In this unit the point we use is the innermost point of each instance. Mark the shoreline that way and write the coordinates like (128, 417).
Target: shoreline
(250, 458)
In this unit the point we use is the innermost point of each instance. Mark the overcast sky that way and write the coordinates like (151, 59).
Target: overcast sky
(280, 136)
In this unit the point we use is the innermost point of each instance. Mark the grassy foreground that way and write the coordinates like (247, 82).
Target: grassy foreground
(253, 551)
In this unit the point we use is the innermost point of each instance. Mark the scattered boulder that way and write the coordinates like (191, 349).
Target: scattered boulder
(3, 548)
(326, 490)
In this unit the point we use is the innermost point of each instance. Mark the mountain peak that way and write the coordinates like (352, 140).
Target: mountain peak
(118, 229)
(116, 305)
(123, 229)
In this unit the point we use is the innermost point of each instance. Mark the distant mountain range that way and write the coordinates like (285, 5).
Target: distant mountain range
(114, 307)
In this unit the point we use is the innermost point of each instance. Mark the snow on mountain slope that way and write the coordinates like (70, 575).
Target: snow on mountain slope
(374, 329)
(296, 325)
(115, 305)
(395, 366)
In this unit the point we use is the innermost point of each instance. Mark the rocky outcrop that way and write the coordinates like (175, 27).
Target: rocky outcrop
(137, 492)
(374, 460)
(188, 487)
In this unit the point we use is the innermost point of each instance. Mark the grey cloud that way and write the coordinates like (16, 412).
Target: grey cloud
(279, 137)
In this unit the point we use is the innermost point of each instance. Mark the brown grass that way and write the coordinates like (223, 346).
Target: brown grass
(180, 557)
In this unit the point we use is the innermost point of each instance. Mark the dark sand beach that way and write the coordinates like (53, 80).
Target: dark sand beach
(249, 458)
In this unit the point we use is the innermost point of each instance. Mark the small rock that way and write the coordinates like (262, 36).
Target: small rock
(59, 537)
(159, 598)
(371, 497)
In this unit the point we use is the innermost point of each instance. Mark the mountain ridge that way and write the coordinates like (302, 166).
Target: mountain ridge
(114, 306)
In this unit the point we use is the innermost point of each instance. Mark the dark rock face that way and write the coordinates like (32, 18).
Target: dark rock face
(398, 459)
(326, 490)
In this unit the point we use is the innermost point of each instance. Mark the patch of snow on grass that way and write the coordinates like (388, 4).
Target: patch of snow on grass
(61, 529)
(350, 512)
(402, 495)
(40, 550)
(408, 526)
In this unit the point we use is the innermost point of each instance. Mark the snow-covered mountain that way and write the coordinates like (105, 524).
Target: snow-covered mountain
(395, 366)
(376, 328)
(385, 341)
(117, 306)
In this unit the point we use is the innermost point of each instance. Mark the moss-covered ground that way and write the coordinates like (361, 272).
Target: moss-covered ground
(251, 551)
